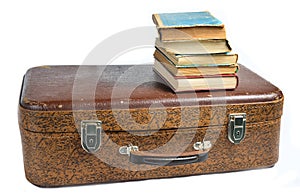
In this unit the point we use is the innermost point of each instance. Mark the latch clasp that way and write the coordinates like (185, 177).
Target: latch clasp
(237, 127)
(91, 135)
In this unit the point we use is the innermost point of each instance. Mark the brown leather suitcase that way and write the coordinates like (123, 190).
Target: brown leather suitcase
(95, 124)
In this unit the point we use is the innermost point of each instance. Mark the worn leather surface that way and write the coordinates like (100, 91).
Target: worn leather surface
(103, 87)
(52, 152)
(137, 119)
(57, 159)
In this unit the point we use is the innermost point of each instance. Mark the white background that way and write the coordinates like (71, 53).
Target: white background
(264, 33)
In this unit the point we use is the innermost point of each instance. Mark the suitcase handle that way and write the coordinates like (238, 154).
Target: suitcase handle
(200, 154)
(140, 157)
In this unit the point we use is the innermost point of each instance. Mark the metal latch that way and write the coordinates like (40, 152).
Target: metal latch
(91, 135)
(237, 127)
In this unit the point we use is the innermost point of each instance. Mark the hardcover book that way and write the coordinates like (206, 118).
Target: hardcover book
(179, 60)
(182, 84)
(196, 70)
(188, 25)
(210, 46)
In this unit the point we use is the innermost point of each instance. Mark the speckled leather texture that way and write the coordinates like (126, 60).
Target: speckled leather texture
(152, 118)
(56, 158)
(139, 119)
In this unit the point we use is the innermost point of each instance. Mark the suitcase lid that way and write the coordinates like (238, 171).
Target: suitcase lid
(129, 93)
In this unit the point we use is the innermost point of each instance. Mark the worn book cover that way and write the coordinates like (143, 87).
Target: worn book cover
(195, 69)
(179, 60)
(195, 83)
(210, 46)
(188, 25)
(186, 19)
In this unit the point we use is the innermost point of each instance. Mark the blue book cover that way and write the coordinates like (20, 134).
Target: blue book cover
(186, 19)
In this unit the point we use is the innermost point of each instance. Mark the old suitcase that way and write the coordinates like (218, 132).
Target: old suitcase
(95, 124)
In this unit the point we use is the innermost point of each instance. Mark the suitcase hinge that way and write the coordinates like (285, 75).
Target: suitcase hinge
(237, 127)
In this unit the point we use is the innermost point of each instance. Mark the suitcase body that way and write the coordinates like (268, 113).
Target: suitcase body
(96, 124)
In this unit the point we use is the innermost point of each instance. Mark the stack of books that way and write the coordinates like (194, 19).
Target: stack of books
(192, 52)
